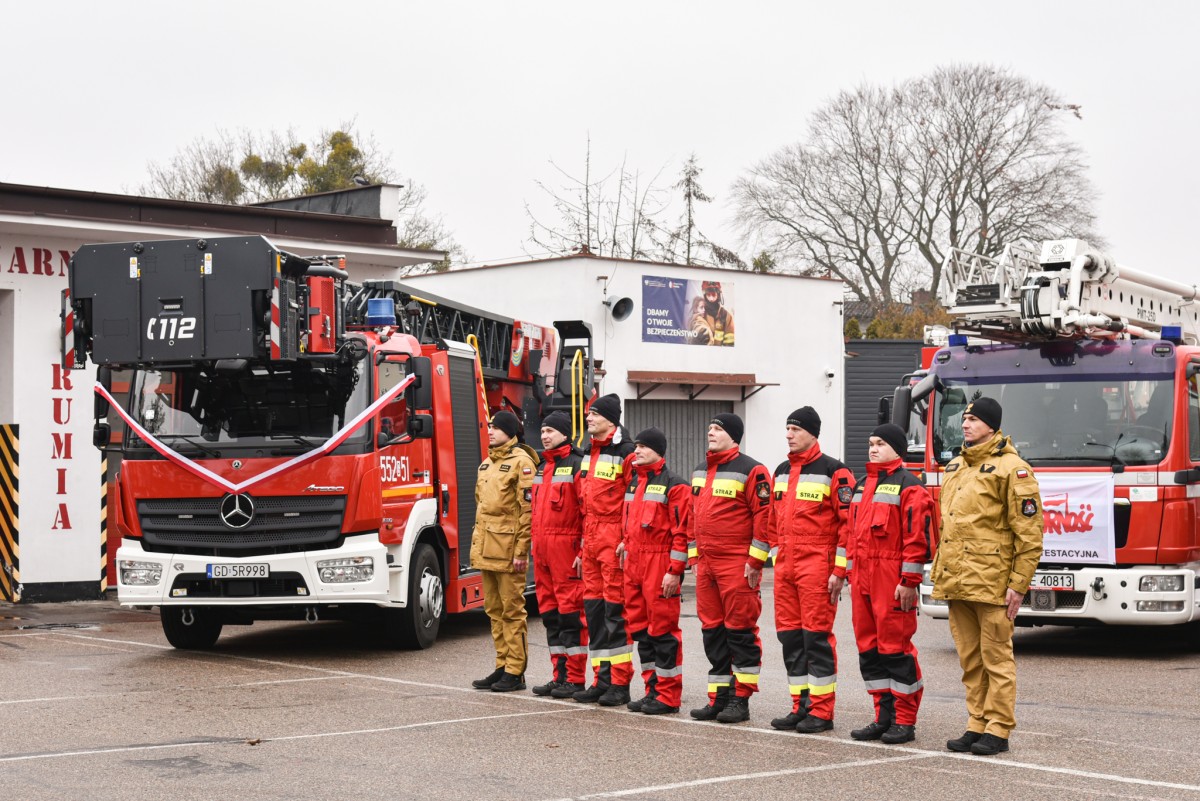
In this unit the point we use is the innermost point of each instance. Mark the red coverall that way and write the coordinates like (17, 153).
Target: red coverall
(894, 520)
(731, 498)
(657, 504)
(557, 539)
(810, 526)
(605, 473)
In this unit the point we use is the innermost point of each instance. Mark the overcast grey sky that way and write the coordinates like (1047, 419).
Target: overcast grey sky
(474, 99)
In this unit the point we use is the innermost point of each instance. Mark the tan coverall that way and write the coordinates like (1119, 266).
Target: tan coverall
(991, 541)
(503, 491)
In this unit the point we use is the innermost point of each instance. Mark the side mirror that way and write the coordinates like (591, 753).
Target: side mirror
(1190, 476)
(104, 378)
(422, 393)
(901, 406)
(420, 426)
(884, 415)
(101, 434)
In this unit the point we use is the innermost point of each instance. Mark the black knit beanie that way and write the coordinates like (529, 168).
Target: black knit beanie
(609, 407)
(559, 421)
(732, 424)
(507, 422)
(806, 417)
(653, 439)
(893, 435)
(987, 410)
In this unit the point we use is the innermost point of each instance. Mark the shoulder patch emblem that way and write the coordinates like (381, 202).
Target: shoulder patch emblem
(987, 468)
(1022, 474)
(763, 490)
(526, 471)
(695, 490)
(504, 468)
(950, 468)
(528, 494)
(1029, 507)
(484, 466)
(845, 494)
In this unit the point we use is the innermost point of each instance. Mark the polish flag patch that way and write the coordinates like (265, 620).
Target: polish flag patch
(1022, 474)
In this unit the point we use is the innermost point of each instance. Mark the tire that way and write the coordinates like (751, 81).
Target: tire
(416, 626)
(201, 631)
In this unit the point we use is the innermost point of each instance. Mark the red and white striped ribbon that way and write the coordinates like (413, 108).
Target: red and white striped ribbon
(203, 472)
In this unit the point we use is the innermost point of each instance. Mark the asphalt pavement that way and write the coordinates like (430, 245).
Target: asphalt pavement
(95, 704)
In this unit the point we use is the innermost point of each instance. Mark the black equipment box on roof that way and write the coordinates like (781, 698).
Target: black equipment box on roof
(185, 300)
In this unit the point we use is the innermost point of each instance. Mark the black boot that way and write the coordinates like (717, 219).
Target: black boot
(715, 706)
(736, 711)
(547, 688)
(640, 704)
(813, 724)
(616, 695)
(989, 745)
(487, 681)
(566, 690)
(591, 695)
(788, 722)
(899, 733)
(963, 744)
(508, 683)
(872, 731)
(653, 706)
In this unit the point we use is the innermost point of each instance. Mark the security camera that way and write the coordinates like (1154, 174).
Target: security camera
(829, 372)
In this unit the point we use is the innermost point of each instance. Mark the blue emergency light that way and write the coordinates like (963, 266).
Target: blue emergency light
(1174, 333)
(958, 340)
(381, 311)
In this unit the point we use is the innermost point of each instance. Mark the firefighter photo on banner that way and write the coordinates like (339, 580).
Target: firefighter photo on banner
(695, 312)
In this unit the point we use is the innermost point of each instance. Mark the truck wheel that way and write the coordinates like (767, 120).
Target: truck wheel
(416, 626)
(189, 628)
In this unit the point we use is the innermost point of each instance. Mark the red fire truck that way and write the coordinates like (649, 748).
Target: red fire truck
(297, 446)
(1098, 371)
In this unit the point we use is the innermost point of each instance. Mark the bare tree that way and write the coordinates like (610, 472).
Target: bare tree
(617, 215)
(251, 167)
(887, 180)
(832, 205)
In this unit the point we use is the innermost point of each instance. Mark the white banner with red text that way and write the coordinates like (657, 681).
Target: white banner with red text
(1078, 514)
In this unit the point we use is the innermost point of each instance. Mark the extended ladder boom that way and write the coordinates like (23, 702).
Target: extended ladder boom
(1068, 290)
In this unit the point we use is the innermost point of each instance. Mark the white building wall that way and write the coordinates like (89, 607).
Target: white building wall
(788, 332)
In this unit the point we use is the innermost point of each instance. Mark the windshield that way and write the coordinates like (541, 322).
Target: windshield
(285, 407)
(1087, 421)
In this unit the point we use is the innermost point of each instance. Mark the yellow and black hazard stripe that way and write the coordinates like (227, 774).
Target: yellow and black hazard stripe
(10, 513)
(103, 522)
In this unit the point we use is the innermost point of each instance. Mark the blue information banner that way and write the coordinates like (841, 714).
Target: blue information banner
(687, 312)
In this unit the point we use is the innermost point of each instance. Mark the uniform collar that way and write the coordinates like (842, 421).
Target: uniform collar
(805, 457)
(883, 468)
(721, 457)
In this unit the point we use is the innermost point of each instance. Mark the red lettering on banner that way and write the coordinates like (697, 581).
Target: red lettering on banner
(1059, 518)
(64, 261)
(62, 481)
(62, 445)
(62, 518)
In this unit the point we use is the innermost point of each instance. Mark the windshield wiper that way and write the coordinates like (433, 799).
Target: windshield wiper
(189, 440)
(299, 440)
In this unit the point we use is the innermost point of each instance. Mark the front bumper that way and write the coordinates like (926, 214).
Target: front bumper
(294, 578)
(1106, 595)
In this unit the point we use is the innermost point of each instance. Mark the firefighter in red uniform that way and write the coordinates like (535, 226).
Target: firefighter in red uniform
(731, 498)
(605, 473)
(654, 553)
(557, 539)
(810, 527)
(893, 519)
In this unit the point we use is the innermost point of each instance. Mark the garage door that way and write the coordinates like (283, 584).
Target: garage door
(684, 423)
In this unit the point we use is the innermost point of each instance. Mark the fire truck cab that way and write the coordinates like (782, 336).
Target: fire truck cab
(295, 446)
(1098, 371)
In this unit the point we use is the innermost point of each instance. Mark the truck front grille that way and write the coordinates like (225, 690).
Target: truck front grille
(198, 585)
(279, 525)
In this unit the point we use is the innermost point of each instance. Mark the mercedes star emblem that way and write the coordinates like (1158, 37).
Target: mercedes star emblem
(237, 510)
(237, 464)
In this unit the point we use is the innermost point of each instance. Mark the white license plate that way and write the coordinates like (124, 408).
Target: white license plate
(255, 571)
(1053, 581)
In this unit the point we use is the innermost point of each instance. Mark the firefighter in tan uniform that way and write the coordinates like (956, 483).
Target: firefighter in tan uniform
(500, 548)
(990, 544)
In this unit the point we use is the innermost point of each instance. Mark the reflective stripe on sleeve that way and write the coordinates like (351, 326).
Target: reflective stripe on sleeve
(679, 556)
(760, 550)
(912, 567)
(693, 551)
(839, 558)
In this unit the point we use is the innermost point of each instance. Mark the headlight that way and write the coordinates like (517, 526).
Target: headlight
(1160, 606)
(1164, 583)
(340, 571)
(140, 574)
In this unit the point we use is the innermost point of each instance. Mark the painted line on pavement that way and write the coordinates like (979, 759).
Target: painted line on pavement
(998, 761)
(743, 777)
(244, 741)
